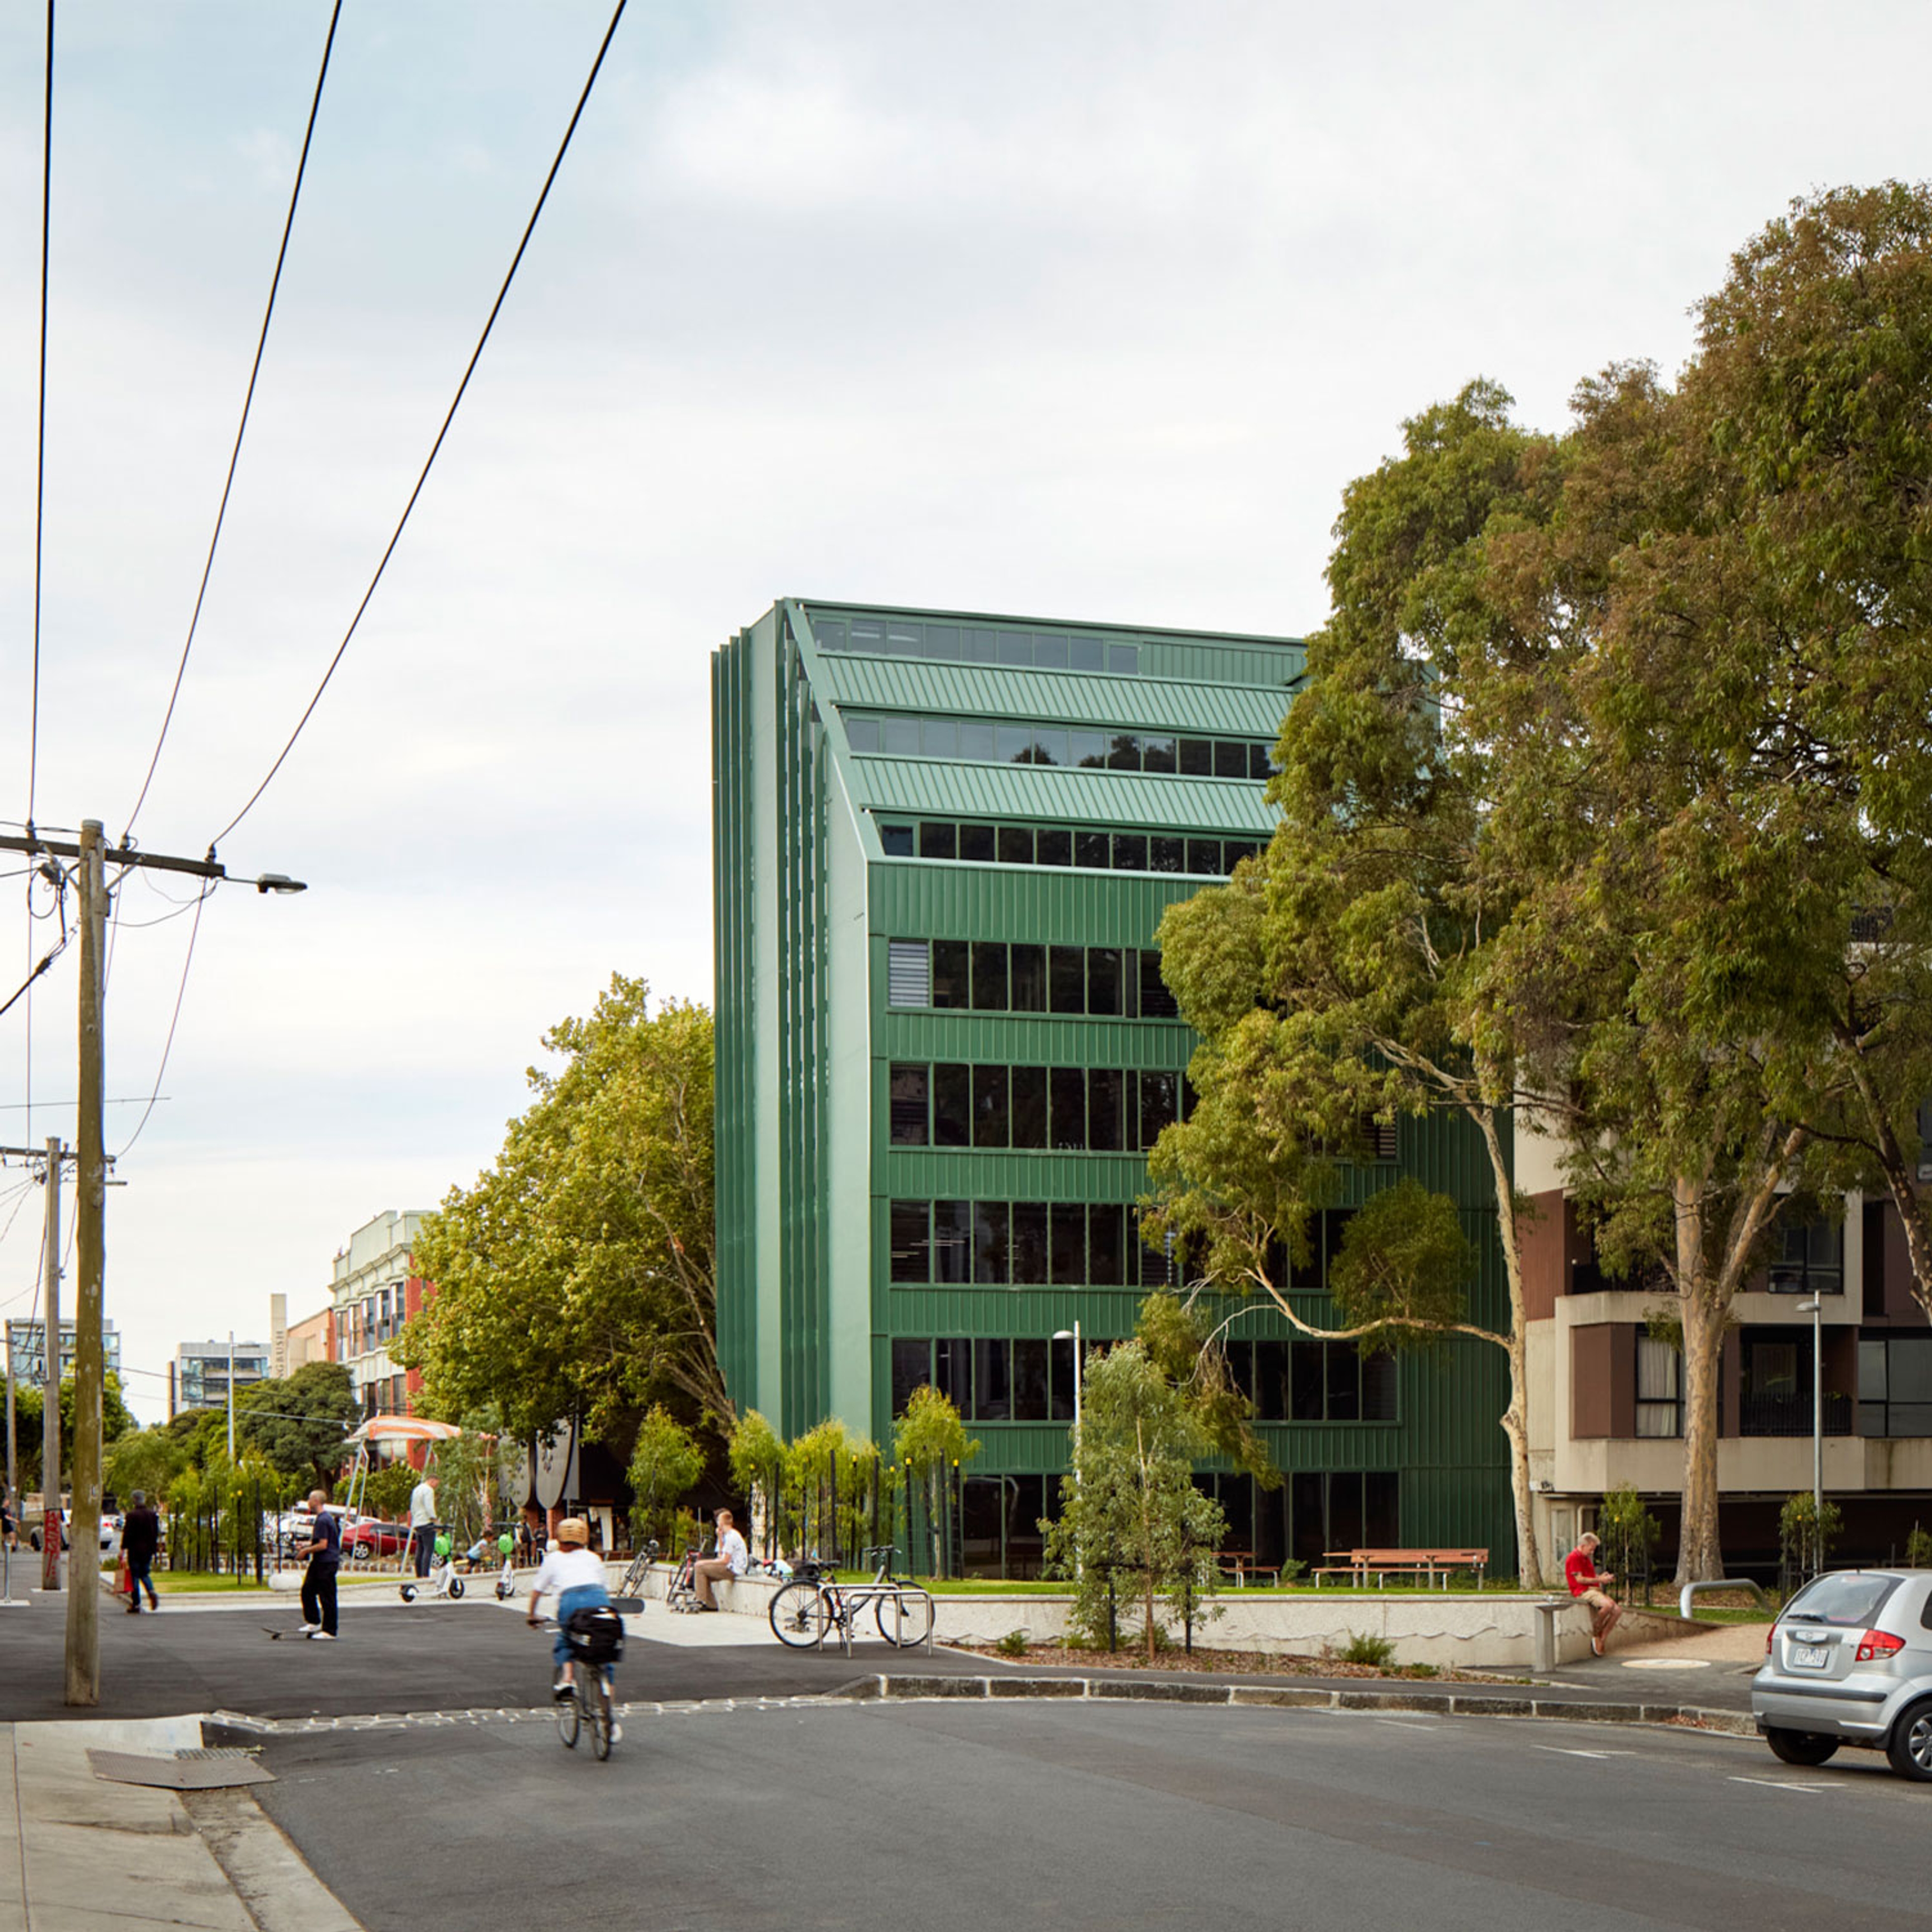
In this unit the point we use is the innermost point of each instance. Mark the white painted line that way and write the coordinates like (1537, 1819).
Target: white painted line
(1782, 1784)
(1409, 1724)
(1569, 1751)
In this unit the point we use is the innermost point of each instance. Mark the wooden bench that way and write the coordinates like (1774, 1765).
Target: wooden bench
(1359, 1565)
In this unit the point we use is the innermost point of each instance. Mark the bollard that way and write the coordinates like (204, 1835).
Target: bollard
(1543, 1647)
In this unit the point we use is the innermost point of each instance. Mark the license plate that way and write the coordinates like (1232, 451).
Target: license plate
(1809, 1656)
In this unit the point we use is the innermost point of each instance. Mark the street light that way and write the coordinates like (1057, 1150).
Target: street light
(1815, 1308)
(1073, 1335)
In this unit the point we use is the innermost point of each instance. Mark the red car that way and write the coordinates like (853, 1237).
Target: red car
(364, 1537)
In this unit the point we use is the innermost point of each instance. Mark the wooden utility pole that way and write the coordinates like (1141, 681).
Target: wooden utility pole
(83, 1618)
(83, 1596)
(50, 1432)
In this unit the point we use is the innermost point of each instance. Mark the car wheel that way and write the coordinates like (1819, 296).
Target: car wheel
(34, 1538)
(1909, 1746)
(1800, 1747)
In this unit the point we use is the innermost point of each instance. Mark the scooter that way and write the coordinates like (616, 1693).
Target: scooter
(506, 1577)
(442, 1579)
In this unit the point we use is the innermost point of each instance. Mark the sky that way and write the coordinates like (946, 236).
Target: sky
(1086, 311)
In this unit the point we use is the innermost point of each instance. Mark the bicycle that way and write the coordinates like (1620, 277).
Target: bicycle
(815, 1603)
(681, 1592)
(595, 1647)
(633, 1584)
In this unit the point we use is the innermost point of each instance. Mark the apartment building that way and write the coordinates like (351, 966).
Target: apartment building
(943, 844)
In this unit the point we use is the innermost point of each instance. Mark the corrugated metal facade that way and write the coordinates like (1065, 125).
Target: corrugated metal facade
(826, 1160)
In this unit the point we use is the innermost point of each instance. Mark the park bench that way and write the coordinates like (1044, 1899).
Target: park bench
(1359, 1565)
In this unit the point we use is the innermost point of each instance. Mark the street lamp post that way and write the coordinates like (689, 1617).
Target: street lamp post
(1815, 1308)
(1073, 1335)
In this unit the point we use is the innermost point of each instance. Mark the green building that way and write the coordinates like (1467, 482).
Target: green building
(942, 845)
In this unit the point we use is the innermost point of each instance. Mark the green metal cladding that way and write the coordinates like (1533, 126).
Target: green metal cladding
(808, 902)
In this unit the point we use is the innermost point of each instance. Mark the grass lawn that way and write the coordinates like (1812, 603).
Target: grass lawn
(987, 1586)
(168, 1581)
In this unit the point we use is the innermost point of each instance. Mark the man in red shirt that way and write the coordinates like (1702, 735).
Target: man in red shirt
(1581, 1574)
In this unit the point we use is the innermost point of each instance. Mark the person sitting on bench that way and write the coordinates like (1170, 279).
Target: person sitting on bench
(733, 1559)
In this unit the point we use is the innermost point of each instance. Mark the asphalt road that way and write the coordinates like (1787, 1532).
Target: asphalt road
(434, 1657)
(1018, 1814)
(427, 1658)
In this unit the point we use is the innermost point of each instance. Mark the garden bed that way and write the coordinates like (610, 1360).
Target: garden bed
(1229, 1663)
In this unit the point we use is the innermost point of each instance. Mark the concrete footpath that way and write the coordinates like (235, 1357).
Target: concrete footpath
(81, 1853)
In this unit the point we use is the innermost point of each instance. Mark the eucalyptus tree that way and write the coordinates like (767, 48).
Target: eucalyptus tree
(1337, 980)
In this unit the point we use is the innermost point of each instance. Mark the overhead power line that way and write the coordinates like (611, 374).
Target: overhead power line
(476, 355)
(41, 449)
(174, 1021)
(242, 429)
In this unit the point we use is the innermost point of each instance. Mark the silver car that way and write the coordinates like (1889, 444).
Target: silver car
(1848, 1661)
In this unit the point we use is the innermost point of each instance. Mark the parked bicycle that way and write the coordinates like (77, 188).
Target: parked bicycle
(816, 1602)
(596, 1640)
(633, 1584)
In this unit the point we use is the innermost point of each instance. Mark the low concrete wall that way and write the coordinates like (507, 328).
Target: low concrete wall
(1492, 1632)
(1484, 1633)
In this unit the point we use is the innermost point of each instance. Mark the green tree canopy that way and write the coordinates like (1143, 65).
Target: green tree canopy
(576, 1277)
(665, 1461)
(1336, 982)
(298, 1422)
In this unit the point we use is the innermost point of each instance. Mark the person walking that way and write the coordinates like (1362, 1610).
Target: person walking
(1585, 1581)
(324, 1552)
(422, 1522)
(140, 1538)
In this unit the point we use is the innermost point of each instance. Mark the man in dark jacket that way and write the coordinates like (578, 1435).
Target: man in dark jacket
(140, 1537)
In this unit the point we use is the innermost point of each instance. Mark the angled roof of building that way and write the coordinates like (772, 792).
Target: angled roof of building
(1054, 696)
(1048, 792)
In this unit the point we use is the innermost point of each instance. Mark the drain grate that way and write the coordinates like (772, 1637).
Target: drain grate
(190, 1771)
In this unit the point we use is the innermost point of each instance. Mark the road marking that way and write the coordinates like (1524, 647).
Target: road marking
(1408, 1724)
(1782, 1784)
(1569, 1751)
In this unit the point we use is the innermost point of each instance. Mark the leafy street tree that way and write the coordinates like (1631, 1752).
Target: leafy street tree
(1606, 804)
(1131, 1509)
(928, 1442)
(576, 1277)
(1719, 764)
(665, 1461)
(1814, 378)
(147, 1459)
(466, 1489)
(298, 1421)
(1338, 980)
(116, 1420)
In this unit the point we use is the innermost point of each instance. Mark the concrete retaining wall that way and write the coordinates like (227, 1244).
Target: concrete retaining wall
(1484, 1633)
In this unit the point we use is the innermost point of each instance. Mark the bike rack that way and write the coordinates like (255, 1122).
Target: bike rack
(1690, 1590)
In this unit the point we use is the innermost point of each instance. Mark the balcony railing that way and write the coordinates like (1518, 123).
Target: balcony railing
(1791, 1415)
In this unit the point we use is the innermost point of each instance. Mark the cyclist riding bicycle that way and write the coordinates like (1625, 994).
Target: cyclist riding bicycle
(578, 1578)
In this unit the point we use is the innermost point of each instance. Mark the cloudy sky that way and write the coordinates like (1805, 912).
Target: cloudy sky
(1084, 310)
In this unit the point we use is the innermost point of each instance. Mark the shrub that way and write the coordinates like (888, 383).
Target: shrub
(1919, 1548)
(1362, 1648)
(1805, 1534)
(1013, 1644)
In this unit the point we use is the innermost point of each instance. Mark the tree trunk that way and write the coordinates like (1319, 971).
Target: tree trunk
(1700, 1556)
(1515, 1417)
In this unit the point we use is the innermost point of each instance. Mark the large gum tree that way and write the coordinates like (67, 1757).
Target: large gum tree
(1336, 980)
